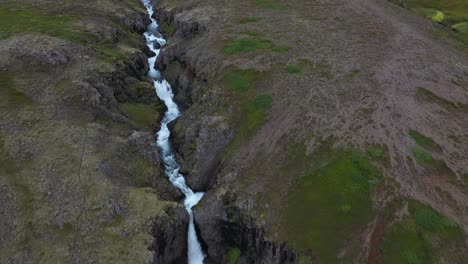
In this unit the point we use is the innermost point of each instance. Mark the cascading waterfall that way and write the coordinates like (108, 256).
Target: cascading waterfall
(154, 41)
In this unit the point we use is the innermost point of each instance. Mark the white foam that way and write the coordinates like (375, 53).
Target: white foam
(164, 92)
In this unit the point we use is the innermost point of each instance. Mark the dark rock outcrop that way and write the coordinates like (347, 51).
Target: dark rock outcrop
(223, 225)
(170, 237)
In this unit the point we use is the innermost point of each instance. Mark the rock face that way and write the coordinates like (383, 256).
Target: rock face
(80, 172)
(222, 229)
(170, 232)
(352, 110)
(226, 62)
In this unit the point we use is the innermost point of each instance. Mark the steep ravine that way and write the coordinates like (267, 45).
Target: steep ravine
(221, 226)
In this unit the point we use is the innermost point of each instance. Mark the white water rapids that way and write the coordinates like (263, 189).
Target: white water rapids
(154, 41)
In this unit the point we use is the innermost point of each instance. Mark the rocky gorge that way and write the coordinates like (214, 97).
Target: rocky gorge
(314, 140)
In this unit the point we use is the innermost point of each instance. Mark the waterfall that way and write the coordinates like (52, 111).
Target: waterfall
(154, 41)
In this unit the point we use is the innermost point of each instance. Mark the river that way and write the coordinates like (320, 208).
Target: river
(154, 41)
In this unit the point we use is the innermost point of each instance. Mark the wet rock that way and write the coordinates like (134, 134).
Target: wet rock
(170, 237)
(137, 24)
(223, 226)
(148, 149)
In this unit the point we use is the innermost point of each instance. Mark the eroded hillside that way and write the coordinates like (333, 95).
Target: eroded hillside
(80, 178)
(338, 127)
(324, 131)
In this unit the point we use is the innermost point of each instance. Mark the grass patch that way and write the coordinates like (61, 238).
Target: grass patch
(298, 67)
(271, 4)
(254, 115)
(233, 255)
(422, 237)
(249, 19)
(255, 42)
(423, 92)
(421, 155)
(239, 80)
(145, 116)
(448, 12)
(281, 49)
(294, 68)
(422, 140)
(16, 18)
(376, 152)
(247, 44)
(9, 95)
(330, 202)
(167, 29)
(256, 111)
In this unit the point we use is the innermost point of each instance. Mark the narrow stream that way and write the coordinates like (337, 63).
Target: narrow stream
(154, 41)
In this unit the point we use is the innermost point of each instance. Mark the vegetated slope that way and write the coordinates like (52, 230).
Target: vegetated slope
(80, 180)
(338, 127)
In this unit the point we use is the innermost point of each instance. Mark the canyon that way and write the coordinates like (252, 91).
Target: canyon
(251, 131)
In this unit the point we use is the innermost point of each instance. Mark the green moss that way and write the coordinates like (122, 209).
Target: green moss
(421, 155)
(121, 242)
(433, 14)
(109, 52)
(323, 69)
(250, 19)
(304, 260)
(9, 95)
(376, 152)
(294, 68)
(447, 12)
(422, 237)
(256, 115)
(17, 18)
(247, 44)
(145, 116)
(329, 203)
(422, 140)
(281, 49)
(174, 70)
(424, 93)
(239, 80)
(167, 29)
(452, 9)
(461, 27)
(271, 4)
(403, 244)
(233, 255)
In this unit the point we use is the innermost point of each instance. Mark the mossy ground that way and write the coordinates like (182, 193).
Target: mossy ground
(239, 80)
(249, 19)
(254, 42)
(330, 202)
(233, 255)
(453, 13)
(9, 95)
(144, 115)
(423, 237)
(428, 95)
(254, 113)
(271, 4)
(247, 44)
(422, 154)
(19, 18)
(167, 29)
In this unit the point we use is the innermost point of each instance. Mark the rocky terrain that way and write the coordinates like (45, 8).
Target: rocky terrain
(80, 178)
(324, 131)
